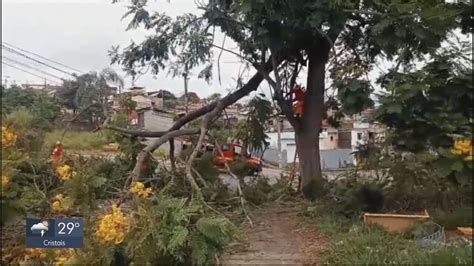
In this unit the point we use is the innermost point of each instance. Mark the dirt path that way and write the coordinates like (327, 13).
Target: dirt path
(279, 236)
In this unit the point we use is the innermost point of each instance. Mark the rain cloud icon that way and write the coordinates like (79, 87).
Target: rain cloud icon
(39, 228)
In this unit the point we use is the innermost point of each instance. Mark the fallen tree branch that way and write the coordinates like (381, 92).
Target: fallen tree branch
(239, 187)
(155, 144)
(137, 133)
(189, 163)
(199, 176)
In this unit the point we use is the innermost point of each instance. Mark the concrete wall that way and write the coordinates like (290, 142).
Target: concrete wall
(288, 143)
(156, 121)
(271, 156)
(336, 159)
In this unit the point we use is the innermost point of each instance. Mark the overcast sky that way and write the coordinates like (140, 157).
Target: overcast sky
(79, 33)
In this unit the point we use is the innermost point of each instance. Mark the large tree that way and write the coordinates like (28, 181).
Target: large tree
(89, 93)
(340, 39)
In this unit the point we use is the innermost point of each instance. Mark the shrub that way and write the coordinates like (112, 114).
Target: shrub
(460, 217)
(206, 168)
(174, 230)
(74, 140)
(354, 243)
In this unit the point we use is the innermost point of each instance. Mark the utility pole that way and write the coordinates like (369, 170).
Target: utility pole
(185, 76)
(280, 159)
(6, 81)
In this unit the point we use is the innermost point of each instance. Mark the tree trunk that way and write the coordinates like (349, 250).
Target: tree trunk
(307, 137)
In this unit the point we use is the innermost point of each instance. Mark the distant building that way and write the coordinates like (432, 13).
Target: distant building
(336, 144)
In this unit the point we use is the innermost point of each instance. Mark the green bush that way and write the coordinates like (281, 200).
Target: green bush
(241, 168)
(115, 172)
(371, 245)
(258, 191)
(461, 217)
(206, 168)
(29, 127)
(175, 231)
(74, 140)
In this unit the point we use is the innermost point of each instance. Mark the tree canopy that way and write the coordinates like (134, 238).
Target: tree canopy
(89, 93)
(343, 40)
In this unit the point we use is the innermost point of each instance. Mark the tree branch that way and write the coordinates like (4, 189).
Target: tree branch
(239, 187)
(155, 144)
(285, 106)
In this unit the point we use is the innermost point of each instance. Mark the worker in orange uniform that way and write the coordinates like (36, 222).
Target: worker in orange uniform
(57, 152)
(298, 107)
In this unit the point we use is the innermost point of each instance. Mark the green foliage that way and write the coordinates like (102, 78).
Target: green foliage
(83, 188)
(252, 130)
(258, 191)
(185, 233)
(76, 140)
(16, 97)
(410, 181)
(192, 97)
(114, 172)
(354, 243)
(181, 44)
(30, 127)
(206, 168)
(354, 95)
(42, 106)
(241, 168)
(374, 246)
(450, 220)
(89, 93)
(427, 107)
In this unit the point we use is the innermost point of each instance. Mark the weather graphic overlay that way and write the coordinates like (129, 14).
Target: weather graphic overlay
(54, 233)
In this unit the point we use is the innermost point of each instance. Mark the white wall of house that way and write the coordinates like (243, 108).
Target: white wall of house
(327, 141)
(156, 121)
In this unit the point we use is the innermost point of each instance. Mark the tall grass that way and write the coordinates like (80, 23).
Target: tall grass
(74, 140)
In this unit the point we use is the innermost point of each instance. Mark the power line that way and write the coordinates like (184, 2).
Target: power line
(42, 57)
(33, 59)
(26, 71)
(28, 66)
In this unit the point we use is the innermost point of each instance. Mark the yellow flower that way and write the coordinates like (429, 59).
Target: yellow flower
(112, 227)
(8, 138)
(38, 253)
(65, 172)
(5, 182)
(58, 203)
(138, 189)
(456, 152)
(61, 261)
(57, 206)
(463, 147)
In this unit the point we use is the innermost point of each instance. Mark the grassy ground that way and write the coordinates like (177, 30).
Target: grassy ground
(354, 243)
(74, 140)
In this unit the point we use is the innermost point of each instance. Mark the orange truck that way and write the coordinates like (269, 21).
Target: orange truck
(233, 151)
(230, 153)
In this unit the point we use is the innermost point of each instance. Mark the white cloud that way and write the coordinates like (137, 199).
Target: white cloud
(39, 227)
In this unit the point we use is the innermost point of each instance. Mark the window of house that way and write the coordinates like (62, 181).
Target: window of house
(225, 148)
(141, 119)
(371, 135)
(238, 150)
(331, 138)
(359, 136)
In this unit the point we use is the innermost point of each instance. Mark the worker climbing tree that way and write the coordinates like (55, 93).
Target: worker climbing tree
(298, 106)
